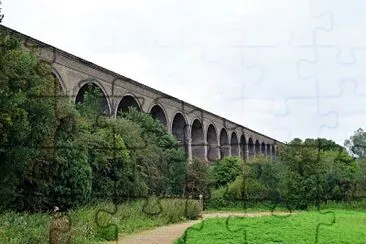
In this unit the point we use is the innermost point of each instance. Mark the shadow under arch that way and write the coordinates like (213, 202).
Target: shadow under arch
(94, 88)
(263, 148)
(157, 112)
(126, 102)
(268, 153)
(243, 148)
(180, 129)
(251, 148)
(198, 141)
(257, 147)
(213, 149)
(224, 144)
(234, 144)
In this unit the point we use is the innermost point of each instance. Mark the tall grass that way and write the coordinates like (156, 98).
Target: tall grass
(96, 223)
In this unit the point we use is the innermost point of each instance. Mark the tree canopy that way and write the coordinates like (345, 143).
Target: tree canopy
(356, 144)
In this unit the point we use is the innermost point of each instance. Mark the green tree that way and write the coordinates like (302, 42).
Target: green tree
(197, 179)
(357, 143)
(226, 170)
(170, 165)
(38, 131)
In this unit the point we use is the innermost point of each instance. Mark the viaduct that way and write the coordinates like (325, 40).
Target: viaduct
(204, 135)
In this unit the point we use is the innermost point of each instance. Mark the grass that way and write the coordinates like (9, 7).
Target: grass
(302, 227)
(130, 217)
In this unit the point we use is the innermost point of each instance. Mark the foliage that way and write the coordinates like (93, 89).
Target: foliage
(198, 179)
(34, 123)
(305, 174)
(226, 170)
(357, 143)
(172, 160)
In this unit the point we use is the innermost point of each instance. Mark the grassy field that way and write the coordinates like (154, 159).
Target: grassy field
(303, 227)
(27, 228)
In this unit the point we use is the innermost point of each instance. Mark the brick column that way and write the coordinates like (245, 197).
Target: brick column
(189, 148)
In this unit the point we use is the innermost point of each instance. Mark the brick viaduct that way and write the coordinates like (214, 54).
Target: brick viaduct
(205, 136)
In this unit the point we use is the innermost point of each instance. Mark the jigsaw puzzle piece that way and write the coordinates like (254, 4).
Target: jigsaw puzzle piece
(348, 106)
(104, 218)
(328, 73)
(306, 110)
(249, 22)
(348, 31)
(276, 75)
(60, 229)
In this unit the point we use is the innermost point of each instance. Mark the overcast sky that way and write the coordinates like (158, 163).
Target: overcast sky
(285, 68)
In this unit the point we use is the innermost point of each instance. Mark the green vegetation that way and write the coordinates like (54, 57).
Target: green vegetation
(130, 217)
(226, 170)
(306, 173)
(349, 227)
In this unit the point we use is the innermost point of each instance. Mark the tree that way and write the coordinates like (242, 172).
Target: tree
(226, 170)
(357, 143)
(40, 157)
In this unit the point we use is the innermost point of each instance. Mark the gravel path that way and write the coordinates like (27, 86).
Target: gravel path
(168, 234)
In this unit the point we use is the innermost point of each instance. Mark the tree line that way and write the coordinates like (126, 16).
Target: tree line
(306, 173)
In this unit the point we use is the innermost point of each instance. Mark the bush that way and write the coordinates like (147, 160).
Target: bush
(226, 170)
(197, 179)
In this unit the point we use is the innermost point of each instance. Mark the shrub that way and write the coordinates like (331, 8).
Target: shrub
(226, 170)
(197, 179)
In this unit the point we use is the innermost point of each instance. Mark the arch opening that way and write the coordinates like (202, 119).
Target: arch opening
(251, 148)
(234, 145)
(212, 152)
(127, 102)
(257, 147)
(268, 154)
(224, 144)
(243, 148)
(91, 96)
(158, 113)
(263, 148)
(179, 130)
(198, 142)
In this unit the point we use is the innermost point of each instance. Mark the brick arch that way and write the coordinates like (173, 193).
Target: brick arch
(268, 152)
(257, 147)
(212, 141)
(179, 128)
(224, 143)
(234, 143)
(80, 90)
(263, 148)
(198, 139)
(59, 78)
(243, 148)
(251, 147)
(158, 112)
(128, 100)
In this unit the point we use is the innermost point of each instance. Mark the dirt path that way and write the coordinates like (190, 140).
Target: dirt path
(168, 234)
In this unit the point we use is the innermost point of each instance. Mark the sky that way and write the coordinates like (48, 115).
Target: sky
(285, 68)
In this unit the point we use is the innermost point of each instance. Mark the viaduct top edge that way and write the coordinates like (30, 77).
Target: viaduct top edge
(95, 66)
